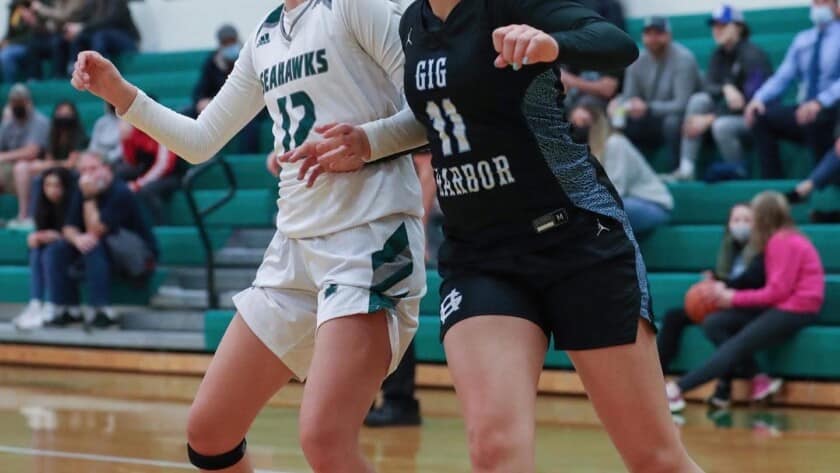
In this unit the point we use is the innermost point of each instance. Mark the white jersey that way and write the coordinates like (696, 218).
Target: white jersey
(326, 61)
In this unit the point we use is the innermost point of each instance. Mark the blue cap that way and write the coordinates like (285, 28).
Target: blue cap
(726, 14)
(659, 23)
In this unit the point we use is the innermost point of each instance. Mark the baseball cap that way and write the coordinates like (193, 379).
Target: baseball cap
(726, 14)
(19, 92)
(659, 23)
(227, 33)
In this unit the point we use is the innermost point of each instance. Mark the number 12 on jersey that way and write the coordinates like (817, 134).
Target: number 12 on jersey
(440, 115)
(305, 123)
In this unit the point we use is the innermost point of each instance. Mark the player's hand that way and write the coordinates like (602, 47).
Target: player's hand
(807, 112)
(753, 110)
(521, 45)
(99, 76)
(272, 163)
(344, 148)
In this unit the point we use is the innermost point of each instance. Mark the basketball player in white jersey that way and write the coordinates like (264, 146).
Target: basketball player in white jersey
(336, 299)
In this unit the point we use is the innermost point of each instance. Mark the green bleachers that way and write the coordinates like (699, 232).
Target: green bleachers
(249, 208)
(781, 20)
(249, 170)
(147, 63)
(700, 203)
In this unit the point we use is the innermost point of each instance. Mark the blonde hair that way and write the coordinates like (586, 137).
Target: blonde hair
(771, 213)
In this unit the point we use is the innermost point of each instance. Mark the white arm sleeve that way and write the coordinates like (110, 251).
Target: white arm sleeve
(376, 26)
(196, 141)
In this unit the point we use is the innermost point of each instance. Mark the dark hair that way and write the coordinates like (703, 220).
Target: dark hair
(49, 215)
(64, 141)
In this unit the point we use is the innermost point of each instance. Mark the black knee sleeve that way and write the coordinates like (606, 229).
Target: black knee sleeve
(217, 462)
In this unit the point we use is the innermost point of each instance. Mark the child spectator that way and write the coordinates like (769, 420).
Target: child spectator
(739, 267)
(150, 169)
(647, 201)
(755, 319)
(736, 71)
(50, 209)
(66, 139)
(105, 234)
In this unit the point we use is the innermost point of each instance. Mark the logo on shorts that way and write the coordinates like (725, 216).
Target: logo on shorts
(450, 305)
(601, 228)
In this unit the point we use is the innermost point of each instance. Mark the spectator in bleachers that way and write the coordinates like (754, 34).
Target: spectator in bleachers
(105, 234)
(109, 29)
(739, 267)
(152, 172)
(214, 73)
(737, 70)
(106, 139)
(826, 173)
(66, 140)
(22, 25)
(23, 137)
(51, 43)
(812, 59)
(657, 88)
(50, 209)
(647, 201)
(752, 320)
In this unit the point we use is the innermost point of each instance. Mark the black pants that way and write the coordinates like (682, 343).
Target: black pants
(668, 341)
(779, 123)
(739, 334)
(399, 387)
(652, 131)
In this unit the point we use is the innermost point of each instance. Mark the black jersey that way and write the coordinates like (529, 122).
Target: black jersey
(504, 164)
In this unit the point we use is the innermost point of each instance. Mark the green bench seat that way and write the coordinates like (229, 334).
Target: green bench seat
(249, 171)
(709, 204)
(249, 208)
(181, 61)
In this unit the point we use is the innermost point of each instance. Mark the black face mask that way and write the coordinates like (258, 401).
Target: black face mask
(64, 122)
(580, 134)
(20, 112)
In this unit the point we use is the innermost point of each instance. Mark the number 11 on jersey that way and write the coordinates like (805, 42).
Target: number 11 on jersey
(439, 122)
(305, 123)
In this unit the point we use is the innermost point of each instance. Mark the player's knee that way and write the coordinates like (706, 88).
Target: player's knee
(495, 443)
(324, 445)
(205, 436)
(658, 460)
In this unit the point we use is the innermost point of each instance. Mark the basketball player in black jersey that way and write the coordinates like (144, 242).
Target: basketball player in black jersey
(537, 243)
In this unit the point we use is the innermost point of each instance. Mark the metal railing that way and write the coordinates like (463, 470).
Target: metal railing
(200, 215)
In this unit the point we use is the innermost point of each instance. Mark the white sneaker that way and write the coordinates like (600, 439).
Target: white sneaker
(26, 224)
(675, 400)
(685, 172)
(31, 318)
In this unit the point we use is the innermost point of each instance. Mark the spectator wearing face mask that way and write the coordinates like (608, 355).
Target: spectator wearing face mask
(66, 140)
(23, 136)
(647, 201)
(752, 320)
(739, 267)
(217, 67)
(736, 71)
(812, 60)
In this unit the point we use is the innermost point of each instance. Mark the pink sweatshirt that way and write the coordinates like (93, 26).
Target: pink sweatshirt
(795, 277)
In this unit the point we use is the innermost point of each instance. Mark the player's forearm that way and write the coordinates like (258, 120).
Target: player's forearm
(394, 135)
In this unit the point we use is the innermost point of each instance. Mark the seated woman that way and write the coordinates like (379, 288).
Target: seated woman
(51, 207)
(66, 139)
(756, 319)
(647, 201)
(739, 267)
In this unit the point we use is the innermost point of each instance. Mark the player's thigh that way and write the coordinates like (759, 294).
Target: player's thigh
(495, 362)
(626, 386)
(351, 359)
(242, 377)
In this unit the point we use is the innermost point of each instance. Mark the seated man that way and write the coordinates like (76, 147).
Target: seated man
(14, 49)
(657, 88)
(105, 234)
(736, 71)
(813, 59)
(109, 30)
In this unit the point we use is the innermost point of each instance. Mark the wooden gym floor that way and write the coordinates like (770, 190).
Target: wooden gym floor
(71, 421)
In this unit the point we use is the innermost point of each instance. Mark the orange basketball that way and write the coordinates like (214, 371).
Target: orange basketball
(700, 301)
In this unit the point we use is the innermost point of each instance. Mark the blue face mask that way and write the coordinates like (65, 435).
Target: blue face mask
(822, 15)
(230, 53)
